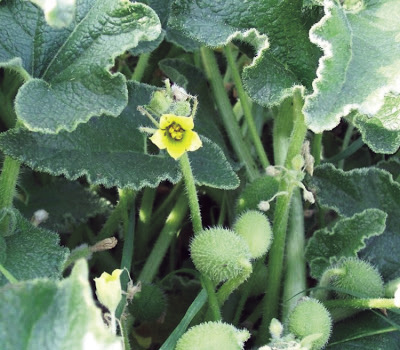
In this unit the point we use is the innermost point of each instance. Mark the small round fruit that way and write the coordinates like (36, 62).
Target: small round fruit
(256, 230)
(220, 254)
(213, 336)
(310, 317)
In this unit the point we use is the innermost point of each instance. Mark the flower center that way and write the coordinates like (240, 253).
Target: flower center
(176, 131)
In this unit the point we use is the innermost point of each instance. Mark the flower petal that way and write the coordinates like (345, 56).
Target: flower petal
(195, 142)
(176, 148)
(185, 122)
(159, 139)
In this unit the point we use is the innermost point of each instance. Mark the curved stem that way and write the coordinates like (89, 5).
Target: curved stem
(346, 141)
(212, 298)
(225, 109)
(10, 278)
(191, 193)
(316, 148)
(377, 303)
(244, 100)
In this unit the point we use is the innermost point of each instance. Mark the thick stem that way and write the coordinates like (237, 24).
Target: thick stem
(316, 148)
(295, 276)
(276, 254)
(170, 229)
(141, 66)
(346, 141)
(212, 298)
(225, 109)
(244, 100)
(378, 303)
(283, 124)
(191, 193)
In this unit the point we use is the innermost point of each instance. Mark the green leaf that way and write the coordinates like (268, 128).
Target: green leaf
(392, 166)
(382, 132)
(291, 58)
(59, 13)
(345, 239)
(68, 203)
(67, 71)
(353, 192)
(45, 314)
(360, 64)
(111, 152)
(368, 331)
(32, 252)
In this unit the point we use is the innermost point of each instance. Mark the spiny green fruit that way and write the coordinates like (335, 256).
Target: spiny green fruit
(358, 277)
(148, 304)
(160, 102)
(310, 317)
(256, 230)
(220, 254)
(213, 336)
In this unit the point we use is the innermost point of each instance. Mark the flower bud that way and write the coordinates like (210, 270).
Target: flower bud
(108, 289)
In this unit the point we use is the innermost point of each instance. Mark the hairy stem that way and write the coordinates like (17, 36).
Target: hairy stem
(141, 66)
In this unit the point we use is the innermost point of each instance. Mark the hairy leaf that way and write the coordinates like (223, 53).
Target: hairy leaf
(382, 132)
(67, 71)
(361, 60)
(291, 58)
(111, 152)
(32, 252)
(67, 202)
(353, 192)
(46, 314)
(345, 239)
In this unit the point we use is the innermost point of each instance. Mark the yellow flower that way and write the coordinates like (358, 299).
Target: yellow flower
(175, 134)
(108, 289)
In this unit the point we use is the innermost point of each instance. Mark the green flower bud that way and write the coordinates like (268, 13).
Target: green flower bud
(358, 277)
(213, 335)
(311, 318)
(256, 230)
(298, 162)
(160, 102)
(148, 304)
(182, 108)
(220, 254)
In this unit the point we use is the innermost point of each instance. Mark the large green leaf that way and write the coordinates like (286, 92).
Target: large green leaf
(58, 13)
(67, 70)
(345, 239)
(67, 202)
(291, 59)
(45, 314)
(353, 192)
(382, 132)
(111, 151)
(361, 61)
(368, 331)
(32, 252)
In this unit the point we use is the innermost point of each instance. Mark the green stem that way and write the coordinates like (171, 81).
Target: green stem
(225, 109)
(145, 212)
(346, 141)
(295, 276)
(276, 254)
(244, 100)
(191, 193)
(212, 298)
(141, 66)
(378, 303)
(316, 148)
(170, 229)
(125, 201)
(8, 182)
(10, 278)
(283, 125)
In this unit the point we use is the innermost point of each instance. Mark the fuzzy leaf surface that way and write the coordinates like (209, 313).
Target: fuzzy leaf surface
(67, 71)
(46, 314)
(354, 191)
(291, 58)
(32, 252)
(68, 203)
(111, 152)
(345, 239)
(360, 64)
(382, 131)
